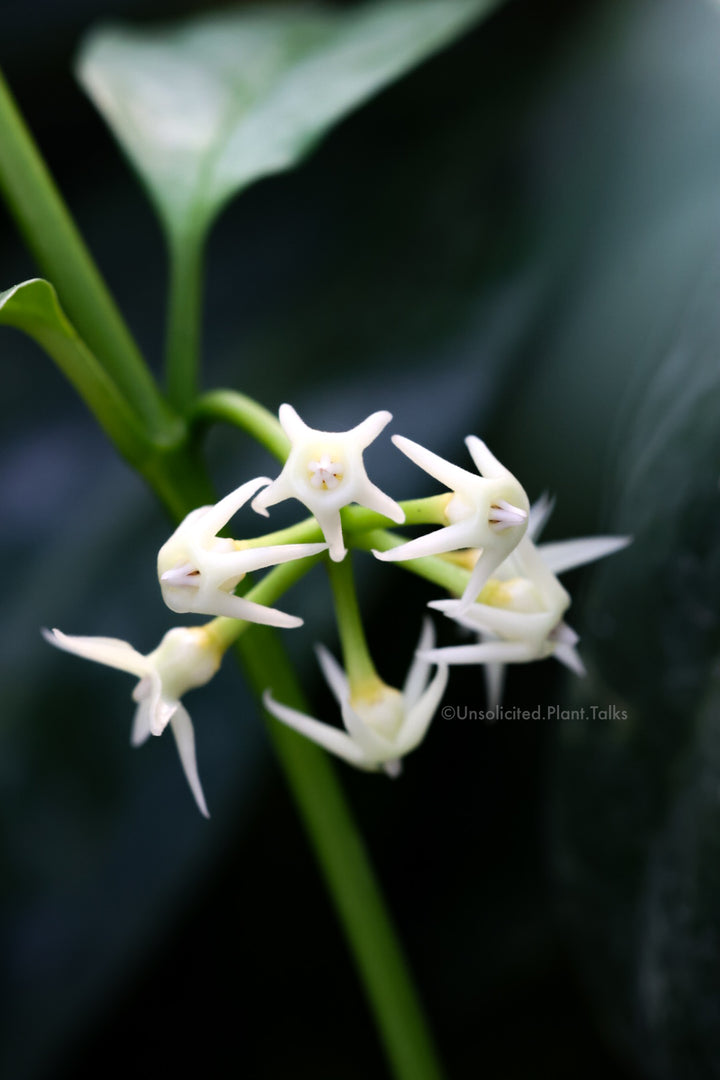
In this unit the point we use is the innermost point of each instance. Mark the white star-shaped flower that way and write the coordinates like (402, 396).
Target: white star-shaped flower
(198, 570)
(519, 613)
(325, 471)
(382, 724)
(185, 658)
(488, 511)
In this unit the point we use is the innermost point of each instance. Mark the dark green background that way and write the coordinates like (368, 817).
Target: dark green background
(519, 240)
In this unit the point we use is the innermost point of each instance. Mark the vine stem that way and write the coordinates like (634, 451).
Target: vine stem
(357, 661)
(237, 409)
(184, 318)
(346, 868)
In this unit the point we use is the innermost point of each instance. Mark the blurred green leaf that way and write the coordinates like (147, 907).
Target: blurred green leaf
(208, 107)
(34, 308)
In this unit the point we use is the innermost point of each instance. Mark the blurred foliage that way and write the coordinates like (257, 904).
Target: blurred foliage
(521, 240)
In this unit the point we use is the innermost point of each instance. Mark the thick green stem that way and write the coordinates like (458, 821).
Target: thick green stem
(346, 867)
(59, 250)
(357, 661)
(178, 476)
(184, 320)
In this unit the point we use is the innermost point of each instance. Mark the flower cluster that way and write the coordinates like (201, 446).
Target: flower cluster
(502, 586)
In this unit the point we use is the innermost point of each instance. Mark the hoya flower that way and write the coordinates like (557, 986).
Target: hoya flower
(487, 512)
(519, 612)
(382, 723)
(185, 658)
(325, 471)
(198, 570)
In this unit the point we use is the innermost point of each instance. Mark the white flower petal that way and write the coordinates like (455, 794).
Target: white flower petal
(162, 710)
(335, 677)
(237, 607)
(421, 714)
(111, 651)
(331, 525)
(217, 516)
(182, 729)
(368, 430)
(272, 555)
(483, 569)
(419, 671)
(494, 682)
(393, 768)
(375, 499)
(276, 492)
(141, 723)
(567, 554)
(570, 657)
(452, 476)
(503, 652)
(332, 739)
(449, 538)
(540, 511)
(485, 461)
(292, 425)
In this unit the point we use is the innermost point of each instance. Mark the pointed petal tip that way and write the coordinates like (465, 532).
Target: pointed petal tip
(381, 415)
(393, 769)
(285, 621)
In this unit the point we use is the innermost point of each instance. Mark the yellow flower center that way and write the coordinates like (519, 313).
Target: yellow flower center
(515, 594)
(325, 474)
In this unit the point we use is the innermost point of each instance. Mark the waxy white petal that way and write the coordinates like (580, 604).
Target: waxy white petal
(502, 652)
(419, 716)
(330, 738)
(335, 677)
(540, 511)
(563, 555)
(419, 671)
(182, 729)
(111, 651)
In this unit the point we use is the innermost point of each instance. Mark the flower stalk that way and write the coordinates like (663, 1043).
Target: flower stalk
(356, 655)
